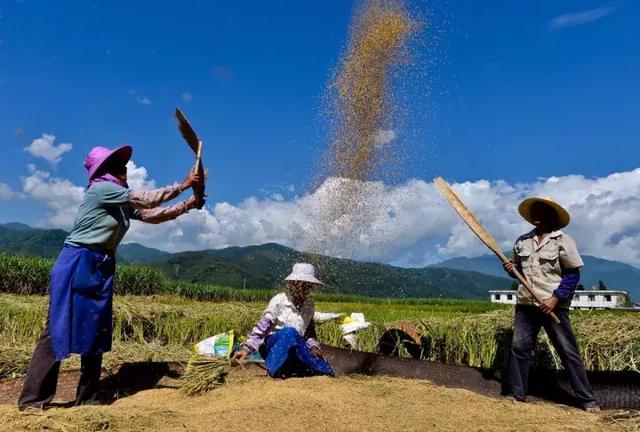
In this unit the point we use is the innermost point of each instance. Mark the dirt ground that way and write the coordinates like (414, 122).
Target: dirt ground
(251, 402)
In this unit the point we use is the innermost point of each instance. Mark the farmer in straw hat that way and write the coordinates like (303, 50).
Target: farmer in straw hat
(549, 259)
(80, 309)
(285, 335)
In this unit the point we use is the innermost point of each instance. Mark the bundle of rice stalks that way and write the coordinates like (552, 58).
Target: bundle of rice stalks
(204, 373)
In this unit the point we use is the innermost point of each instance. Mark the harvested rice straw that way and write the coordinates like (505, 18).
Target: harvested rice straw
(204, 373)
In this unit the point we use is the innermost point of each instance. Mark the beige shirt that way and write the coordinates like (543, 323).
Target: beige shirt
(542, 264)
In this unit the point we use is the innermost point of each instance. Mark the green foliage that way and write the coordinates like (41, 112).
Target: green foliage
(602, 286)
(29, 241)
(30, 275)
(24, 275)
(265, 266)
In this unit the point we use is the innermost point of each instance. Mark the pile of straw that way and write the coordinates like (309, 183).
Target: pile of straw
(204, 373)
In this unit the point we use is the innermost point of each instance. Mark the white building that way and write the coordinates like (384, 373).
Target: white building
(592, 299)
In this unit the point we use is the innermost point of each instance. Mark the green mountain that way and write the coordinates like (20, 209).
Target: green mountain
(16, 226)
(267, 265)
(135, 253)
(616, 275)
(30, 241)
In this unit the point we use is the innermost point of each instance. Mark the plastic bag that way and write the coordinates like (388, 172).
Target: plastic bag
(353, 323)
(220, 345)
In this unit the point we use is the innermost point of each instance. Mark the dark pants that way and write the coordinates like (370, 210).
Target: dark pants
(41, 381)
(529, 321)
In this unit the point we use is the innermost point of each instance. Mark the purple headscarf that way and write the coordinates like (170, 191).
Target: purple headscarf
(106, 177)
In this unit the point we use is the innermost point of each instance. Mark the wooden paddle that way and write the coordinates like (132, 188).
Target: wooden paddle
(470, 219)
(192, 140)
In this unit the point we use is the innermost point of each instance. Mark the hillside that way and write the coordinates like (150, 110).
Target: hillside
(264, 266)
(616, 275)
(22, 239)
(267, 265)
(135, 253)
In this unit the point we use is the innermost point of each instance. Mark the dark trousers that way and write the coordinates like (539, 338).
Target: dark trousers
(529, 321)
(41, 381)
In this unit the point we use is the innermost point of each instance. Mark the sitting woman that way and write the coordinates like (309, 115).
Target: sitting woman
(285, 335)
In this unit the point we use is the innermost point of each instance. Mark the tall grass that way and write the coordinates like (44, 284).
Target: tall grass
(173, 315)
(165, 327)
(30, 275)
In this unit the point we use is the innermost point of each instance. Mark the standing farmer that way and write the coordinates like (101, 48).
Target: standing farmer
(79, 320)
(549, 259)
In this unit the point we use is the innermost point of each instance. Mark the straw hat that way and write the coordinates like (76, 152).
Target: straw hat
(303, 272)
(99, 155)
(525, 210)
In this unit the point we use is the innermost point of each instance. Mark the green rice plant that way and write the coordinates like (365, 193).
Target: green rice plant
(24, 275)
(206, 292)
(329, 333)
(138, 280)
(471, 340)
(203, 374)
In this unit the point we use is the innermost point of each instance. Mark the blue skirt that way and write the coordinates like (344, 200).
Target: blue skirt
(80, 306)
(286, 354)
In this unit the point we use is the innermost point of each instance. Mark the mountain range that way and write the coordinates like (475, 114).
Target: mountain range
(265, 266)
(614, 274)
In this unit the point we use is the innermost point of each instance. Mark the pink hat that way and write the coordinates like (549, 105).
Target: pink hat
(99, 155)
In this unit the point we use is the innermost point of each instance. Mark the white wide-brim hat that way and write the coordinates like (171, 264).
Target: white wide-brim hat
(303, 272)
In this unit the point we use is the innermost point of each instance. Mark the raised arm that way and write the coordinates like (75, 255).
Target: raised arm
(164, 214)
(147, 199)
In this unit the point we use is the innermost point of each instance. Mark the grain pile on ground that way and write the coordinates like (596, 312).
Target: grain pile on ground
(314, 404)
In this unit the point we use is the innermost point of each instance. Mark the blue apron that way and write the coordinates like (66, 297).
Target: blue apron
(286, 354)
(80, 308)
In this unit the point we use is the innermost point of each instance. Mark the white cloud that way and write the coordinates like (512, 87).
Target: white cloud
(141, 99)
(45, 148)
(411, 224)
(577, 18)
(138, 178)
(408, 224)
(61, 197)
(5, 191)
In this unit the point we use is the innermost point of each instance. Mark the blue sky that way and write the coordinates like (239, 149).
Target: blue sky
(512, 91)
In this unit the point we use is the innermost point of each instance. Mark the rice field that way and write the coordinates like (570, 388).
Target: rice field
(163, 328)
